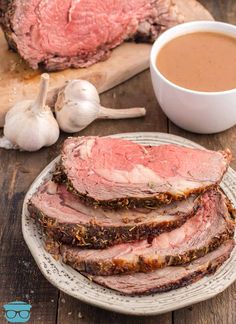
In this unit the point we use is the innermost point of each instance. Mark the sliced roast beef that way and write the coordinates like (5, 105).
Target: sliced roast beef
(168, 278)
(69, 33)
(206, 230)
(68, 220)
(114, 172)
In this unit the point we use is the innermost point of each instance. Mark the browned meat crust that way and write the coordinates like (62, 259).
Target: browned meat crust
(189, 274)
(7, 9)
(98, 237)
(156, 201)
(148, 256)
(112, 266)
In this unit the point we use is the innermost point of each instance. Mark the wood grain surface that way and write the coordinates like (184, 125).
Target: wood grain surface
(18, 81)
(20, 278)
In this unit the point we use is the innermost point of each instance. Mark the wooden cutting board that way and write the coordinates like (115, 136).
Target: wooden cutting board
(18, 81)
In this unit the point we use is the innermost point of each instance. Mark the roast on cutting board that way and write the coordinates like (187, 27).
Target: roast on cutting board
(19, 81)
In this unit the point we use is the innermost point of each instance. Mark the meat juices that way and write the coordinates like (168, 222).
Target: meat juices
(202, 61)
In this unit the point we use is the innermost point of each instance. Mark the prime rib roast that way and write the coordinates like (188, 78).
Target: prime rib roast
(167, 278)
(68, 220)
(62, 33)
(206, 230)
(137, 219)
(116, 173)
(58, 34)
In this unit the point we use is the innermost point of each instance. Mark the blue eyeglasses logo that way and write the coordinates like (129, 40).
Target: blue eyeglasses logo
(17, 312)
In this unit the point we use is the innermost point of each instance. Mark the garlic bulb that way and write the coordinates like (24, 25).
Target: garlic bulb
(78, 105)
(30, 125)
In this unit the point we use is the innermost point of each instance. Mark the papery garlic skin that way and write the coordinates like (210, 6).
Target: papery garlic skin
(30, 124)
(81, 90)
(28, 130)
(75, 116)
(6, 144)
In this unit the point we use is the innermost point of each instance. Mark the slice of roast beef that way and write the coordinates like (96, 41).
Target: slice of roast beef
(115, 173)
(68, 220)
(206, 230)
(70, 33)
(168, 278)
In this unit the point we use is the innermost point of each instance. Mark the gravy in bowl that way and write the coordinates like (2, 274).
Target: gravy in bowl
(201, 61)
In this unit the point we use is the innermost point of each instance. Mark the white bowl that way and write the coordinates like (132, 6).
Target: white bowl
(196, 111)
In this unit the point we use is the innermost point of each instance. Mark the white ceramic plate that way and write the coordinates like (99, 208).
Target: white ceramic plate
(76, 285)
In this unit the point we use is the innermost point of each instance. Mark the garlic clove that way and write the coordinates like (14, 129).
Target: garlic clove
(30, 124)
(41, 130)
(75, 116)
(78, 105)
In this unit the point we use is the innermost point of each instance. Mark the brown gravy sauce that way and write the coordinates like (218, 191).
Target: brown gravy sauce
(202, 61)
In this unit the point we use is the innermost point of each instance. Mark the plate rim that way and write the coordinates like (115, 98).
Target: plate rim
(97, 302)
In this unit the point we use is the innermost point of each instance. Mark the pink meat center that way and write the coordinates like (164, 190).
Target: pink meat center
(73, 27)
